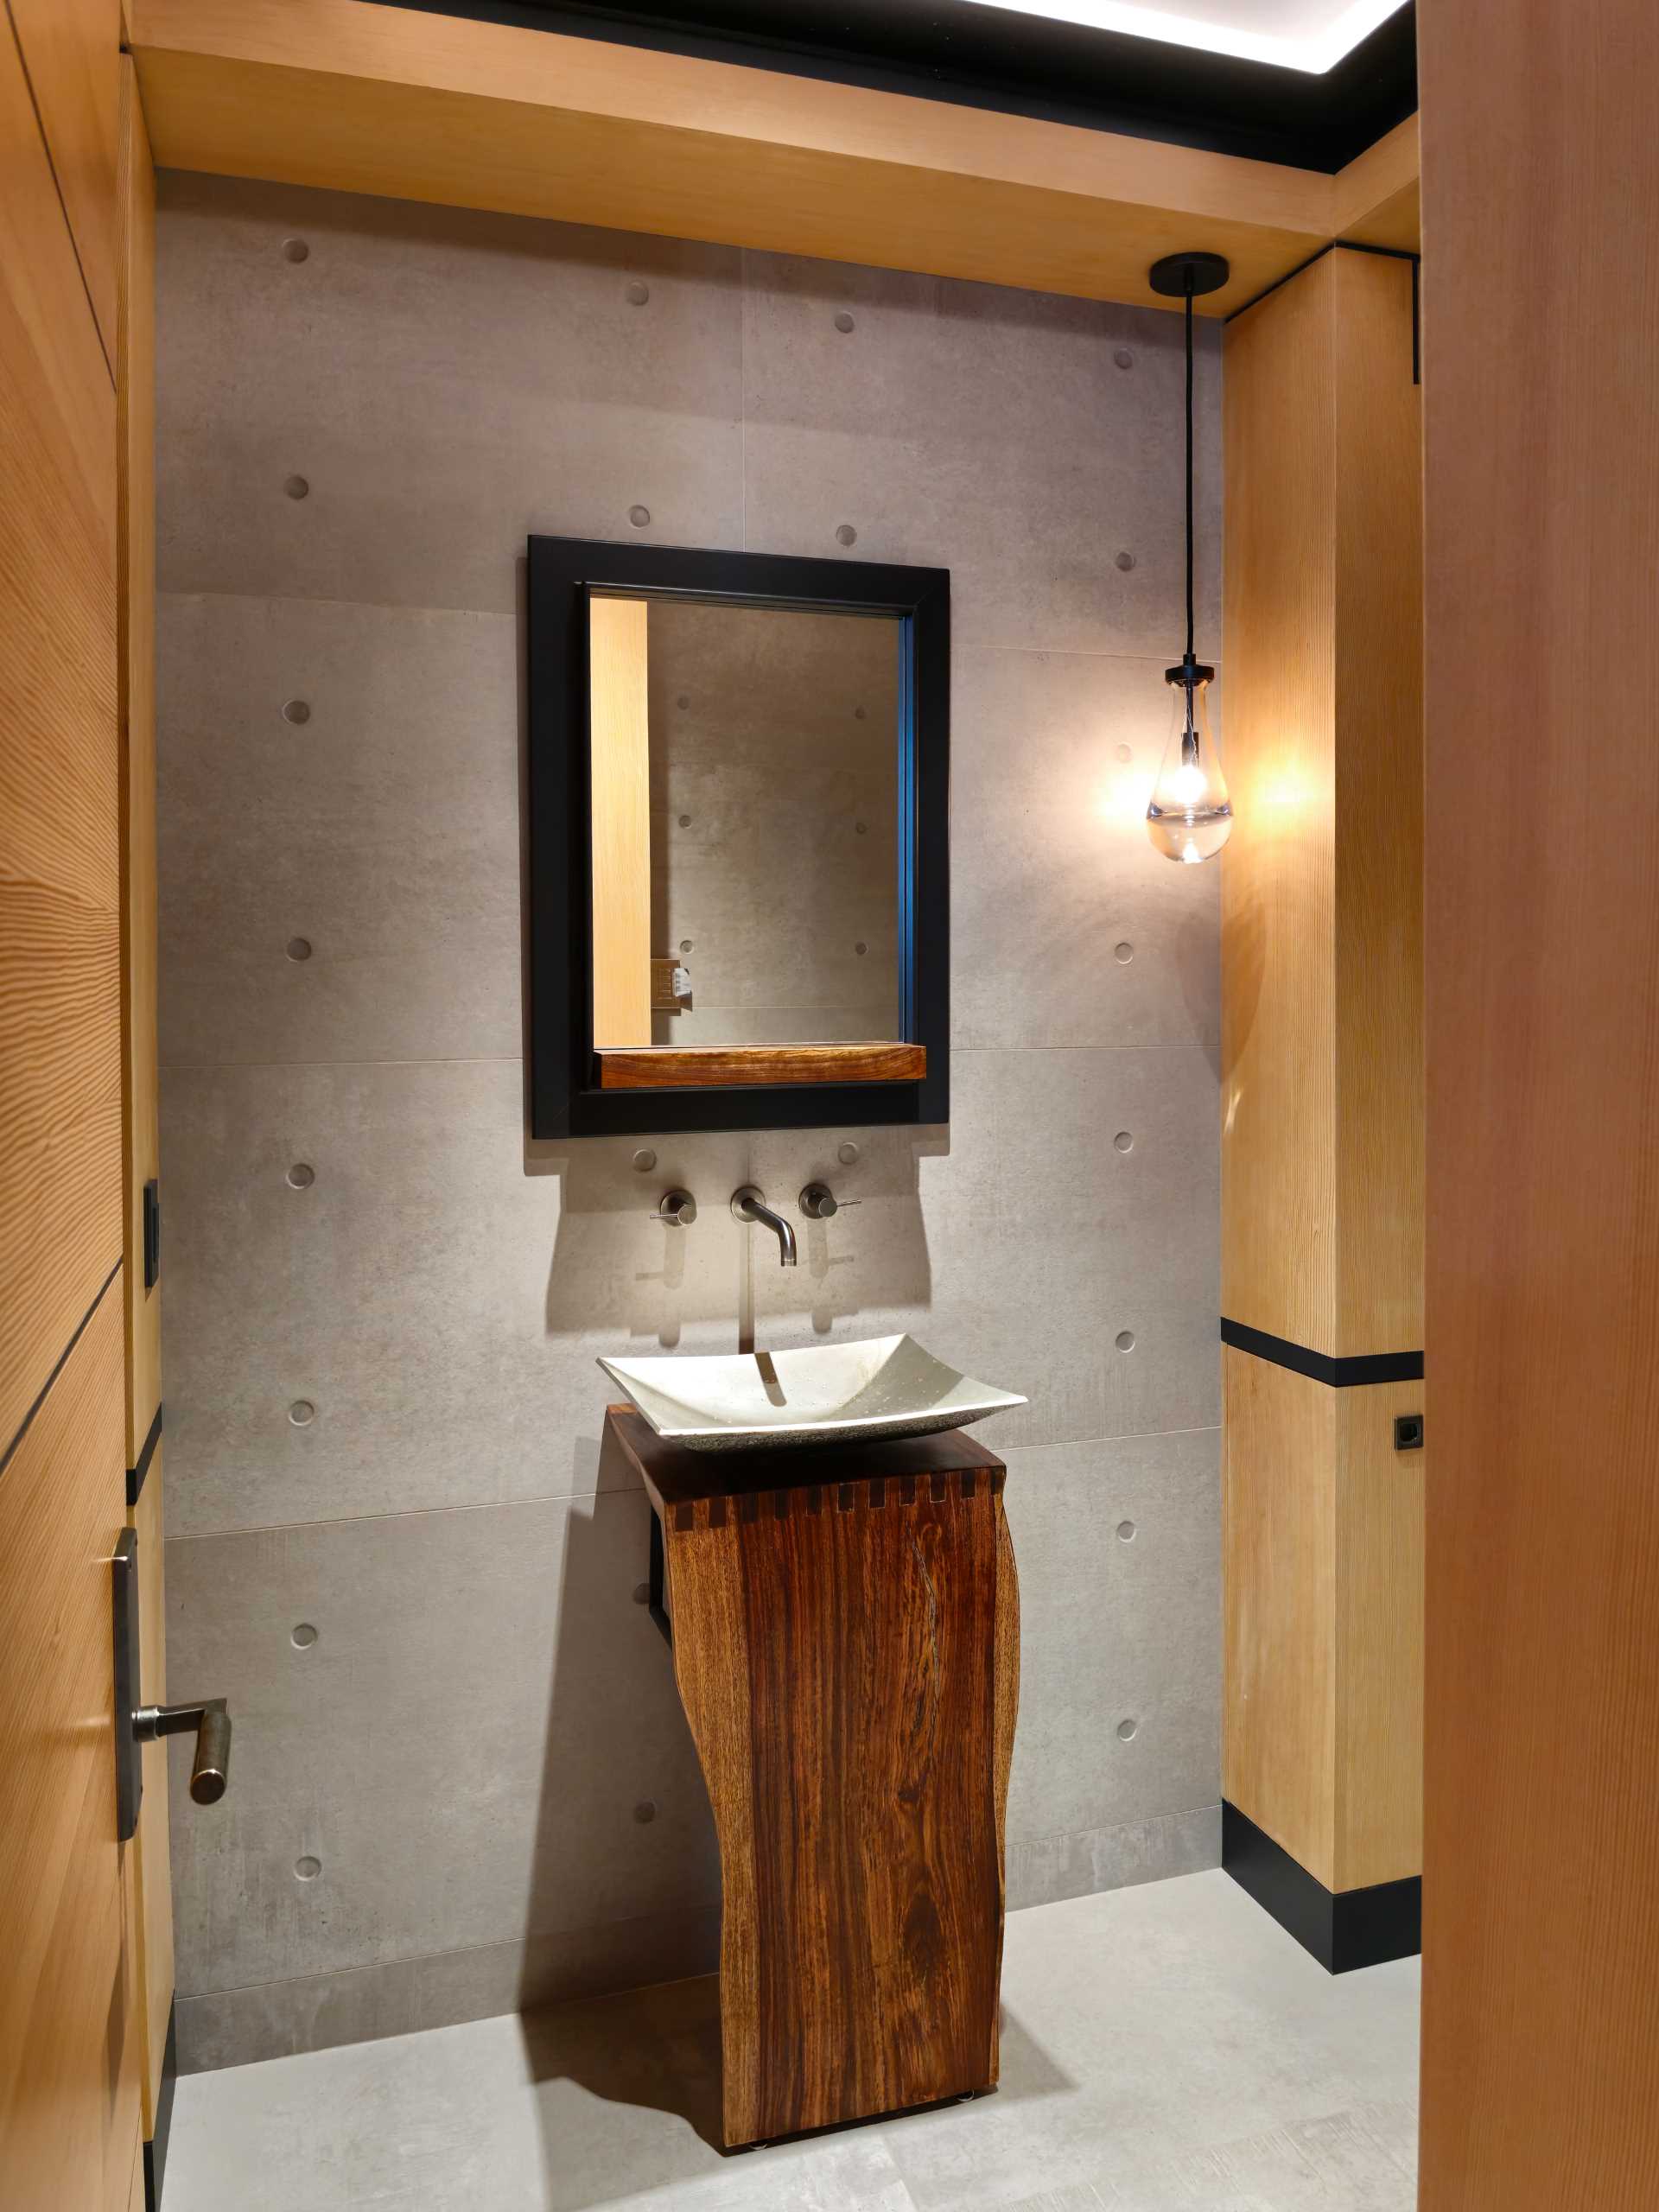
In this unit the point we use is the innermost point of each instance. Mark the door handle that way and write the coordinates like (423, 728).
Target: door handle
(137, 1725)
(210, 1775)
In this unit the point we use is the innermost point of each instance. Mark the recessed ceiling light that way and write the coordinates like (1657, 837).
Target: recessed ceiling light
(1310, 35)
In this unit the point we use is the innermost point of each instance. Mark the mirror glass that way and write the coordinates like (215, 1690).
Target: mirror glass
(745, 790)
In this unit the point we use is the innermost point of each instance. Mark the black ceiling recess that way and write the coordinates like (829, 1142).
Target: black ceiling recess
(1025, 65)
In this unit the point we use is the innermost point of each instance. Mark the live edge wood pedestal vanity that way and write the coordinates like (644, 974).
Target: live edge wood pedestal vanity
(845, 1625)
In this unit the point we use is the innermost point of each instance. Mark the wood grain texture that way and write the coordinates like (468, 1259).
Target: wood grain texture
(60, 1229)
(483, 115)
(135, 624)
(1377, 197)
(149, 1867)
(1278, 874)
(845, 1643)
(695, 1067)
(1321, 883)
(1378, 704)
(1540, 1952)
(70, 2045)
(1278, 1607)
(619, 811)
(1378, 1809)
(71, 51)
(1322, 1536)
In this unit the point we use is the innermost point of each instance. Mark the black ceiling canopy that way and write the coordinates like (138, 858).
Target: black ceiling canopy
(1025, 65)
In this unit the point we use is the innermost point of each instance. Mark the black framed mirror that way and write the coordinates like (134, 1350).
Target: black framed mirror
(739, 841)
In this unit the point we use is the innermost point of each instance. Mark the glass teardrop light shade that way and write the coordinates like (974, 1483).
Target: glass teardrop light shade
(1190, 816)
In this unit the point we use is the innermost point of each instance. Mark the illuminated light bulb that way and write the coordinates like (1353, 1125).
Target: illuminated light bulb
(1190, 817)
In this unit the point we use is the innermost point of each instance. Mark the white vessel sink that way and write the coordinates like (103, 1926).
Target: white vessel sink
(886, 1386)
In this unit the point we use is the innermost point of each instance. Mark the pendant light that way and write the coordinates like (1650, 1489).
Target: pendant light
(1190, 816)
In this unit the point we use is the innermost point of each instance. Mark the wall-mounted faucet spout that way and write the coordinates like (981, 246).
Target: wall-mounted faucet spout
(749, 1204)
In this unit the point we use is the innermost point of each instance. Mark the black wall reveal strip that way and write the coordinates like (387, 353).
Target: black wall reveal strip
(136, 1475)
(81, 1331)
(1320, 1366)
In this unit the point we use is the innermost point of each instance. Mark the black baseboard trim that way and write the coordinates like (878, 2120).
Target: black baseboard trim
(1343, 1928)
(155, 2149)
(1319, 1366)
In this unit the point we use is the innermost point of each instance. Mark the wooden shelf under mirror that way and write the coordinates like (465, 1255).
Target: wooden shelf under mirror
(697, 1067)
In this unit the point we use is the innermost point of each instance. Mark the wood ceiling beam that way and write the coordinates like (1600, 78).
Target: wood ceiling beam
(410, 105)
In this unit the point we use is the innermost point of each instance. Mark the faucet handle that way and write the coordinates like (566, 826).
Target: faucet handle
(678, 1208)
(818, 1202)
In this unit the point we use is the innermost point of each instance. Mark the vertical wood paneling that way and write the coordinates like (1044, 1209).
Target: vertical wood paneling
(60, 1212)
(1541, 1951)
(1322, 1144)
(70, 2044)
(1379, 810)
(1279, 1607)
(136, 545)
(1278, 876)
(71, 51)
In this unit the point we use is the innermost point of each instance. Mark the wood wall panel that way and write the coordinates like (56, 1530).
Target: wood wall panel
(136, 544)
(1279, 1607)
(71, 51)
(1321, 883)
(1278, 881)
(70, 2045)
(486, 115)
(61, 1226)
(1378, 1806)
(1540, 1952)
(1378, 706)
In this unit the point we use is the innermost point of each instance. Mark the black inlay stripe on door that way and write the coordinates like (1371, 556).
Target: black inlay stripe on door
(1319, 1366)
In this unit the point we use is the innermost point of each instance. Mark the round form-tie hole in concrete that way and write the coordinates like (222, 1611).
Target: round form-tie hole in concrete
(860, 948)
(644, 1161)
(639, 517)
(845, 534)
(301, 1177)
(297, 488)
(1126, 1730)
(1126, 752)
(685, 822)
(1126, 1532)
(644, 1812)
(1125, 1340)
(295, 710)
(861, 714)
(684, 699)
(1126, 561)
(298, 948)
(296, 249)
(1124, 358)
(861, 828)
(303, 1637)
(844, 321)
(301, 1412)
(685, 944)
(637, 295)
(1124, 1141)
(847, 1153)
(308, 1869)
(1123, 954)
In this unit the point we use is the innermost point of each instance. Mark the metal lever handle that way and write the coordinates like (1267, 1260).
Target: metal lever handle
(818, 1202)
(678, 1208)
(210, 1775)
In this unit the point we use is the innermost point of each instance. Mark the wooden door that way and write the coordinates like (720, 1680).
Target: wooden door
(1541, 329)
(70, 2001)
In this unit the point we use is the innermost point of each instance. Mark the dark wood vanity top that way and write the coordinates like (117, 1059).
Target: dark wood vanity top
(675, 1477)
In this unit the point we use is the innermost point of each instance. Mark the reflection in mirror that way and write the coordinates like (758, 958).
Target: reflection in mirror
(745, 782)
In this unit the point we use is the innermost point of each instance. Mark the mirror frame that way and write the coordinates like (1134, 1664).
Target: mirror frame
(568, 1096)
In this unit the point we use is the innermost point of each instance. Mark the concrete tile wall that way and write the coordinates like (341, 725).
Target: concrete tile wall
(383, 1302)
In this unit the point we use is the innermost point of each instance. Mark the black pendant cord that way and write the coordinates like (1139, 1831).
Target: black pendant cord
(1189, 467)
